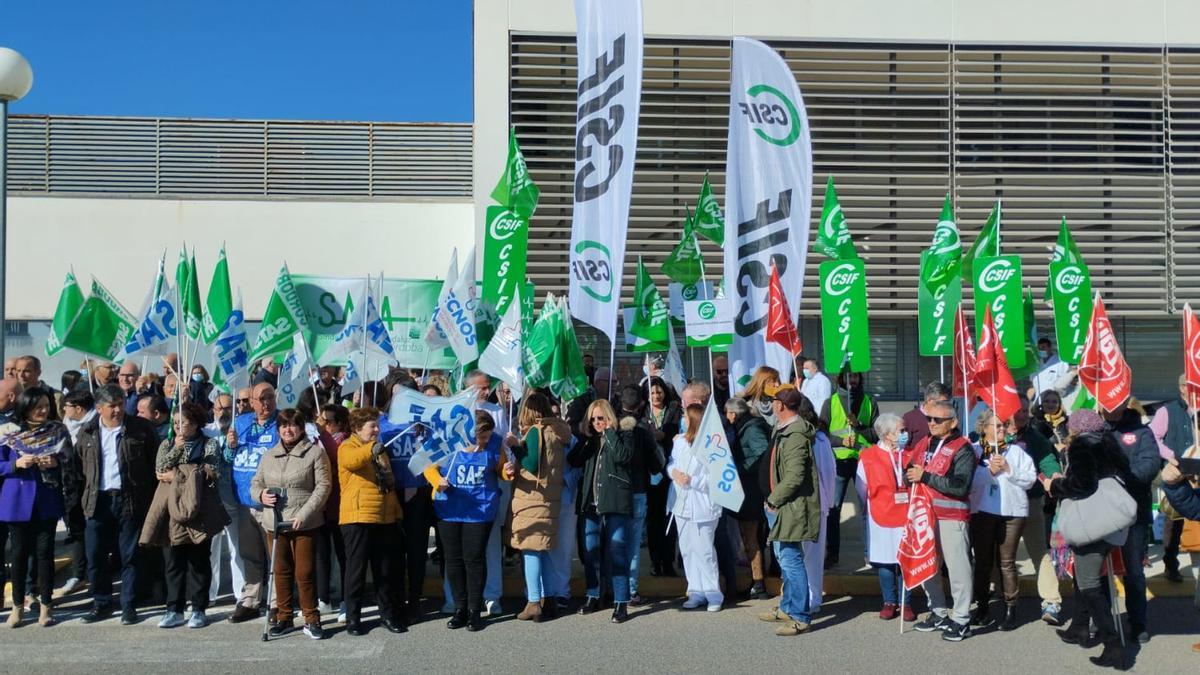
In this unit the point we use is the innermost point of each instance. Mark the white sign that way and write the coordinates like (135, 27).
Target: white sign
(680, 293)
(708, 322)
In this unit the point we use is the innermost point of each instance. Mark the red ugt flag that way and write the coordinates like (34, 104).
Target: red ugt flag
(780, 328)
(917, 554)
(993, 380)
(1103, 369)
(1191, 351)
(964, 359)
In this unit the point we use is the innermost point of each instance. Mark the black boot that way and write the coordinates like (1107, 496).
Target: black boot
(1076, 634)
(981, 617)
(620, 613)
(458, 620)
(1010, 618)
(590, 605)
(1114, 654)
(475, 623)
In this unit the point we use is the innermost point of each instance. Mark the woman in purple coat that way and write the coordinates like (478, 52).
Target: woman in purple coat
(31, 495)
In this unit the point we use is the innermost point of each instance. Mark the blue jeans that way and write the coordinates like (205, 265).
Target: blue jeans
(1135, 575)
(637, 524)
(537, 575)
(614, 527)
(108, 529)
(890, 584)
(793, 597)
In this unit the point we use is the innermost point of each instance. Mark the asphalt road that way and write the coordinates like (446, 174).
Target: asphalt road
(847, 637)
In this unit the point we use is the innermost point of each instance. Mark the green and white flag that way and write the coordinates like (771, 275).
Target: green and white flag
(845, 332)
(157, 322)
(986, 244)
(998, 287)
(70, 300)
(684, 263)
(220, 301)
(651, 312)
(939, 292)
(102, 328)
(231, 352)
(284, 318)
(709, 221)
(1032, 363)
(944, 259)
(193, 318)
(516, 190)
(551, 352)
(1065, 250)
(833, 235)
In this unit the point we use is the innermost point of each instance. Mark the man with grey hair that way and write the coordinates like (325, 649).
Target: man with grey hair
(115, 474)
(127, 379)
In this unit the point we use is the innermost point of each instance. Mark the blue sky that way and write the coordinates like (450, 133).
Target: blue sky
(398, 60)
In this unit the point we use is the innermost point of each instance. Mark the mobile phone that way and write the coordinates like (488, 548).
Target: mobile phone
(1189, 466)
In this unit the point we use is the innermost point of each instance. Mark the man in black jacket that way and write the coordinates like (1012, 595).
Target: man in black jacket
(115, 474)
(1138, 444)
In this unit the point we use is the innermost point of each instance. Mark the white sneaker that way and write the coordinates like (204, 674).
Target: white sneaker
(72, 584)
(694, 602)
(714, 607)
(492, 608)
(324, 608)
(197, 620)
(171, 619)
(341, 615)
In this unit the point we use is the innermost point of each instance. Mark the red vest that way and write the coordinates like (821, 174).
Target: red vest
(888, 501)
(945, 507)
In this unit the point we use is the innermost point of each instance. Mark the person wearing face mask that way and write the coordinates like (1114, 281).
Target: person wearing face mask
(848, 415)
(817, 386)
(200, 388)
(754, 445)
(999, 506)
(884, 492)
(662, 417)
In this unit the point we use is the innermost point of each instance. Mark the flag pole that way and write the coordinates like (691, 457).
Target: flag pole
(903, 592)
(362, 379)
(87, 364)
(941, 368)
(612, 364)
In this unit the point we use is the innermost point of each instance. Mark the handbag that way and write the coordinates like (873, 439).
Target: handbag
(1189, 537)
(1106, 515)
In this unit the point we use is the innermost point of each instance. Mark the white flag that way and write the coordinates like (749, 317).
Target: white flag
(434, 337)
(502, 358)
(158, 321)
(672, 372)
(293, 374)
(450, 421)
(231, 352)
(456, 313)
(712, 447)
(768, 196)
(609, 53)
(362, 331)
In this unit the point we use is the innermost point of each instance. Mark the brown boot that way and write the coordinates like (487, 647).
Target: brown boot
(16, 616)
(532, 612)
(46, 618)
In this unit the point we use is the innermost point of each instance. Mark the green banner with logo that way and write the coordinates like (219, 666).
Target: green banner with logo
(935, 316)
(997, 283)
(1071, 289)
(505, 247)
(844, 330)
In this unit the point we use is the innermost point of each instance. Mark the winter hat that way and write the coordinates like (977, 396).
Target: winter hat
(1084, 422)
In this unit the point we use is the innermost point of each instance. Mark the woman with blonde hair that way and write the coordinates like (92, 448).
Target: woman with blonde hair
(605, 501)
(696, 517)
(755, 392)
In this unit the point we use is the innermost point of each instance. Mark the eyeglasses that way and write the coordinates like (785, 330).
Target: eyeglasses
(127, 376)
(243, 400)
(937, 420)
(599, 419)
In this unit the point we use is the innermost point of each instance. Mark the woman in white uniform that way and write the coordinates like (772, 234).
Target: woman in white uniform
(883, 489)
(695, 516)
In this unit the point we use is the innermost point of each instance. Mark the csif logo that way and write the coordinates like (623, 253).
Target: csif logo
(841, 279)
(689, 291)
(945, 238)
(1069, 280)
(591, 265)
(996, 274)
(505, 225)
(706, 310)
(771, 114)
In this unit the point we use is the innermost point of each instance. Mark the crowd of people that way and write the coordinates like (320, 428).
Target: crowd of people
(159, 481)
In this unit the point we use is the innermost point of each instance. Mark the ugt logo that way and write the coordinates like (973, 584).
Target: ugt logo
(772, 115)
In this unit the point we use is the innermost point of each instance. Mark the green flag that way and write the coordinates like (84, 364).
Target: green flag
(220, 301)
(943, 258)
(650, 312)
(70, 300)
(568, 379)
(516, 189)
(833, 235)
(1065, 250)
(192, 313)
(1083, 400)
(1032, 362)
(102, 327)
(551, 352)
(283, 319)
(684, 263)
(988, 241)
(709, 221)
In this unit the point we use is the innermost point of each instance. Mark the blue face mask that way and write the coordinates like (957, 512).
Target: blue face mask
(807, 375)
(902, 440)
(197, 377)
(1043, 354)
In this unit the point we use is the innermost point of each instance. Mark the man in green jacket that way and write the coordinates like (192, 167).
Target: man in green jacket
(795, 503)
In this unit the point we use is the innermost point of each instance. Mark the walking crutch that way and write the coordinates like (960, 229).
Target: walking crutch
(279, 528)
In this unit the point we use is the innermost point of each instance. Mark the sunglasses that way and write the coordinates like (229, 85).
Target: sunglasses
(599, 419)
(937, 420)
(243, 400)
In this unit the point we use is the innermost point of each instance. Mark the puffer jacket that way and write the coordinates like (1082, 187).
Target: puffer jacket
(303, 471)
(363, 500)
(536, 495)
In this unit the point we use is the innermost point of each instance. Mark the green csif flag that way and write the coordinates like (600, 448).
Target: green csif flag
(833, 235)
(709, 221)
(70, 300)
(220, 301)
(997, 284)
(1065, 250)
(102, 327)
(551, 352)
(987, 243)
(193, 318)
(516, 189)
(943, 259)
(845, 334)
(1032, 362)
(283, 319)
(684, 263)
(650, 312)
(939, 292)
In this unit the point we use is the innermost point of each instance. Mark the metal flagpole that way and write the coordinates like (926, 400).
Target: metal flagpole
(87, 364)
(941, 368)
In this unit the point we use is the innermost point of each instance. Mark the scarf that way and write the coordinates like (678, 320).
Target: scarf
(46, 439)
(73, 426)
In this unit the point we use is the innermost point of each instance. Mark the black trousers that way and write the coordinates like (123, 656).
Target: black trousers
(76, 526)
(33, 537)
(726, 556)
(659, 540)
(1171, 546)
(330, 545)
(382, 548)
(418, 518)
(188, 575)
(464, 547)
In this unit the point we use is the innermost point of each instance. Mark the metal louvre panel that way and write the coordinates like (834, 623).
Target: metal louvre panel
(1183, 104)
(162, 156)
(1075, 133)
